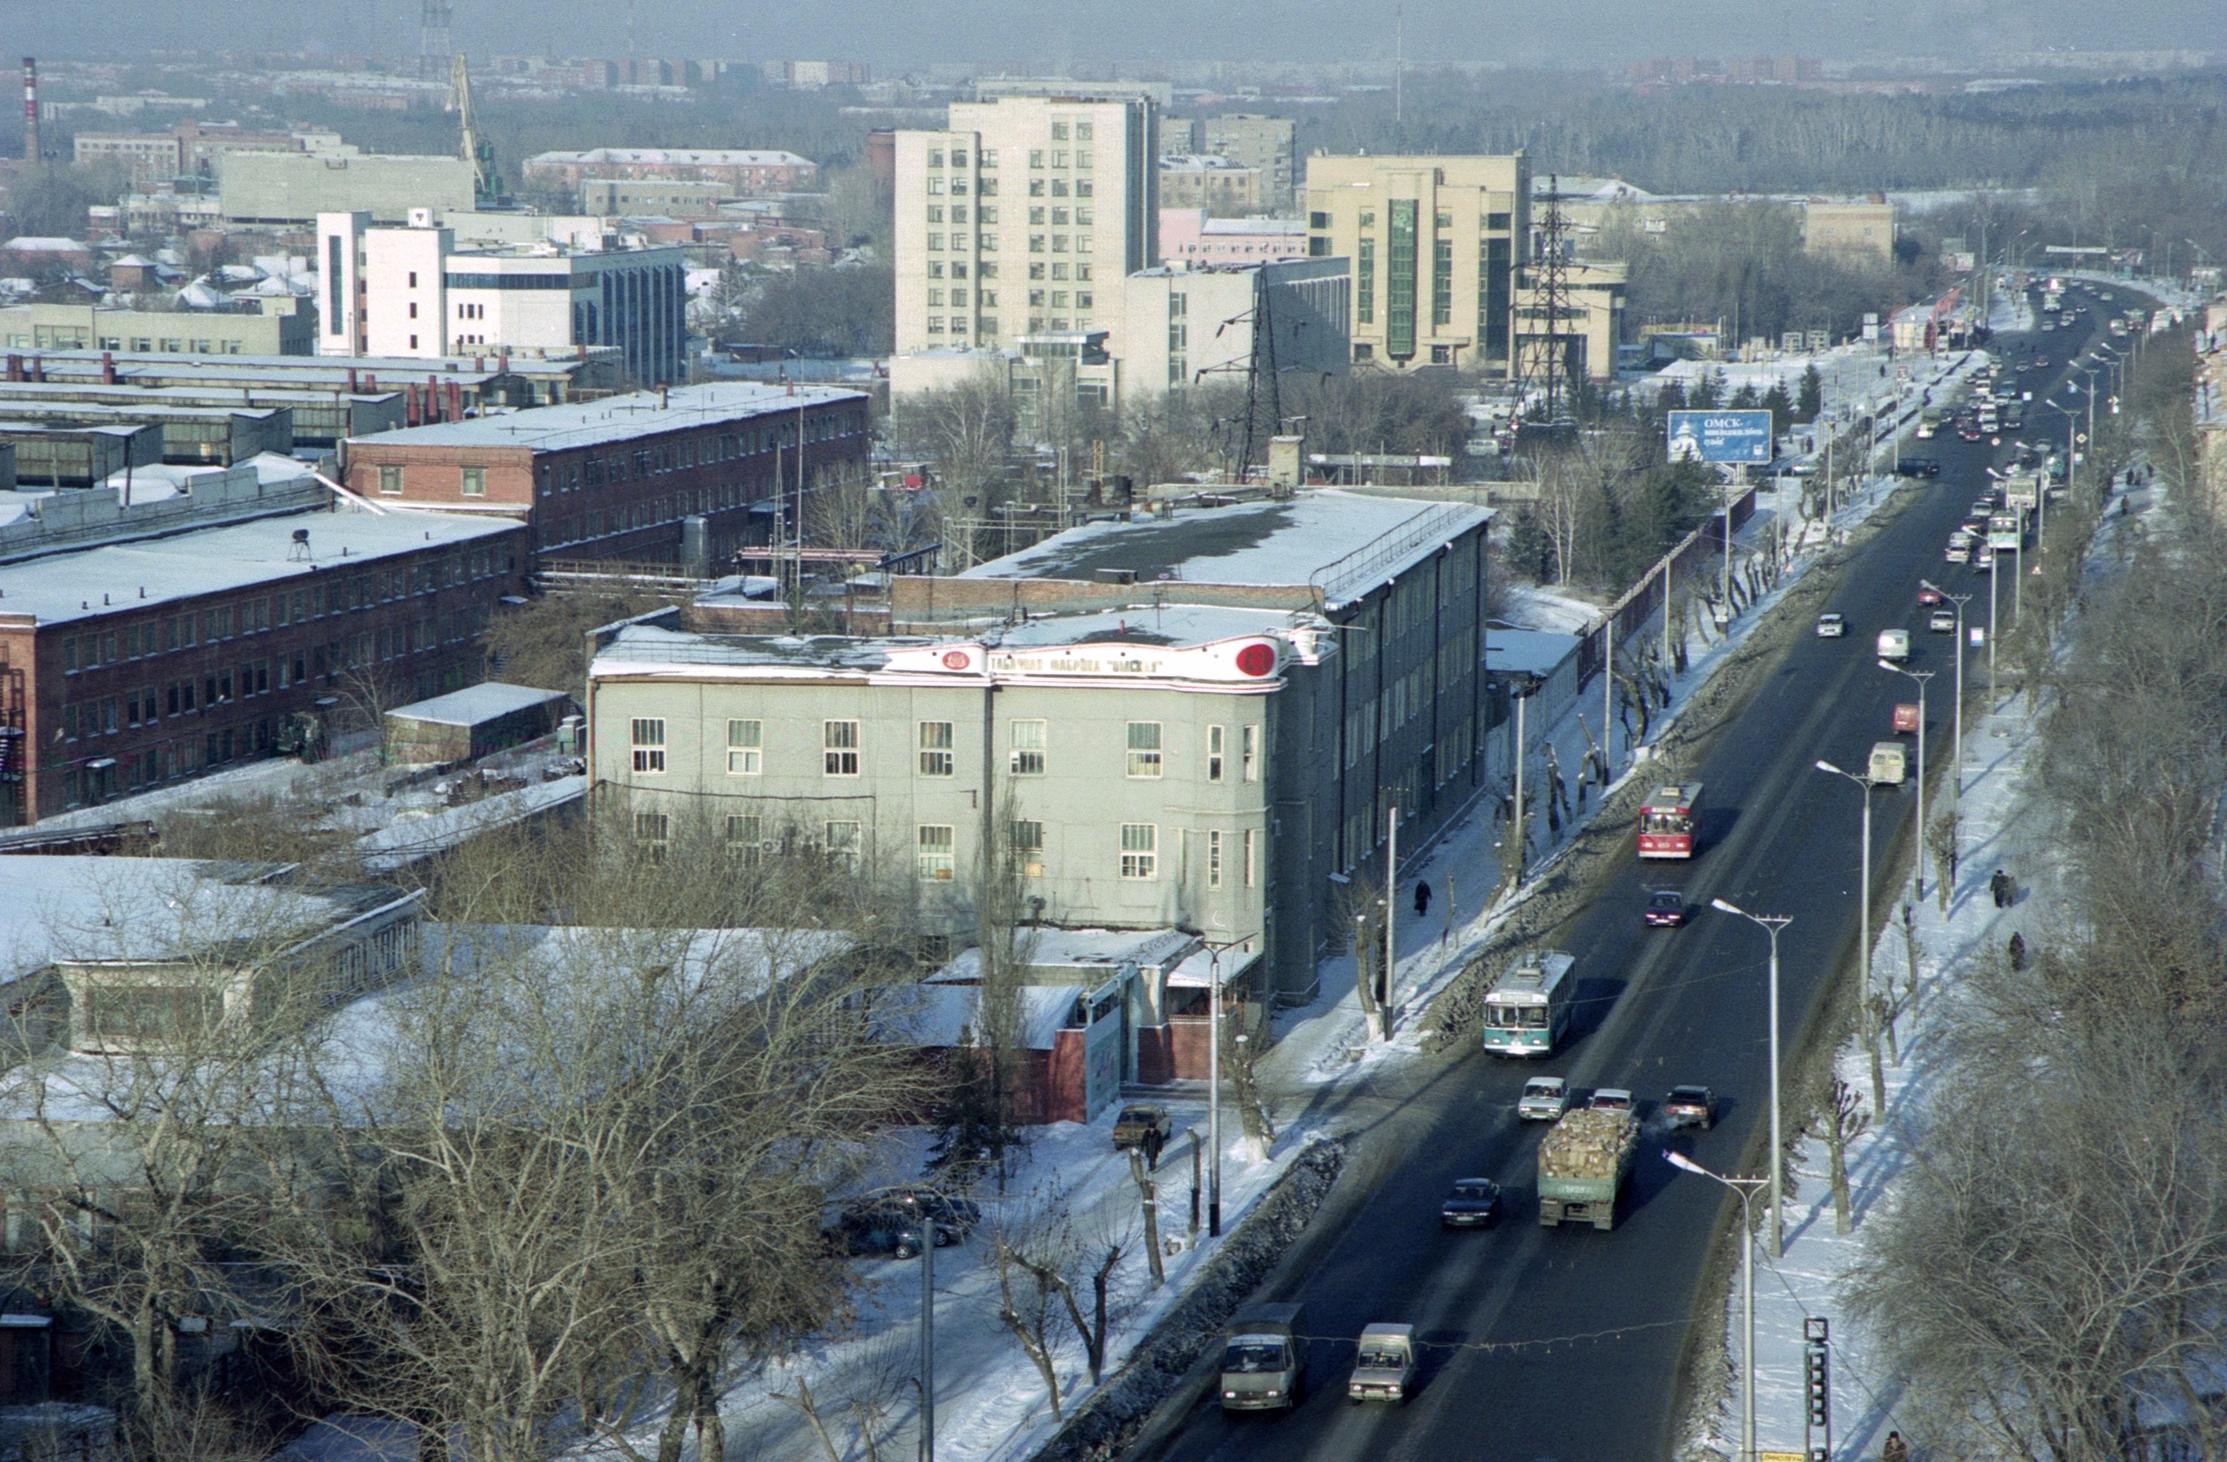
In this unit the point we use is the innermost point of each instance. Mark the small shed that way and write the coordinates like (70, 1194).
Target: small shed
(472, 722)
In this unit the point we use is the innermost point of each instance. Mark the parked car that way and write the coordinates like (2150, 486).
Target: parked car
(1146, 1127)
(1473, 1203)
(1831, 625)
(1612, 1099)
(1544, 1099)
(887, 1224)
(1666, 909)
(1941, 622)
(1919, 467)
(1690, 1106)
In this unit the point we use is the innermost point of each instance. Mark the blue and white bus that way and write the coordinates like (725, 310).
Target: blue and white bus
(1527, 1011)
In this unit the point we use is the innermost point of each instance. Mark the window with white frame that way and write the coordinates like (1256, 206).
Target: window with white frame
(842, 841)
(839, 748)
(1029, 748)
(649, 744)
(746, 831)
(653, 831)
(745, 748)
(1214, 753)
(1250, 862)
(1214, 858)
(937, 852)
(1144, 749)
(936, 759)
(1249, 751)
(1140, 850)
(475, 482)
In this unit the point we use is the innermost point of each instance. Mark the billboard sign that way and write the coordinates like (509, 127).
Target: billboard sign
(1742, 437)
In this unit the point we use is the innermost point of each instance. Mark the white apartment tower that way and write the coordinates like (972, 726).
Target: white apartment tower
(1021, 219)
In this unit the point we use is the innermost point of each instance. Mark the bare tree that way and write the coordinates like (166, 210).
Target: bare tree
(1842, 1119)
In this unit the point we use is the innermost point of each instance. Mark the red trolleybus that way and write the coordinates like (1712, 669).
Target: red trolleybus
(1668, 821)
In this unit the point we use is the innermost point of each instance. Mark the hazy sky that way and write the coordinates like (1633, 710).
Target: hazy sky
(890, 33)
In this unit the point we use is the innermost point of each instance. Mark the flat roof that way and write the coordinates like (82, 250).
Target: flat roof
(64, 586)
(405, 367)
(476, 703)
(690, 156)
(614, 418)
(1342, 542)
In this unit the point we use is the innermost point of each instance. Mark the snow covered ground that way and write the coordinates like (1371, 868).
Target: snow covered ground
(1999, 758)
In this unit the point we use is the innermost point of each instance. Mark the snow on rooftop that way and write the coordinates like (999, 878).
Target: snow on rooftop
(1342, 542)
(476, 703)
(683, 156)
(83, 583)
(615, 418)
(1100, 950)
(1535, 651)
(940, 1016)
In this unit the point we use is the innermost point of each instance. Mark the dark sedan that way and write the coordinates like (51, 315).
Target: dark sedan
(1666, 909)
(1474, 1203)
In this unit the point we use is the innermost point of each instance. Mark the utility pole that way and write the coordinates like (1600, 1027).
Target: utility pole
(1391, 911)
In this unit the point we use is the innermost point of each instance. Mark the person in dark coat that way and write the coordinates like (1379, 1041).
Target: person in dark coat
(1422, 899)
(2000, 887)
(1896, 1449)
(2017, 951)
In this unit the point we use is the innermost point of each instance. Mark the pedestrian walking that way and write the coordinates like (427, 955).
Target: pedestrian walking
(1422, 898)
(2017, 953)
(2000, 887)
(1896, 1449)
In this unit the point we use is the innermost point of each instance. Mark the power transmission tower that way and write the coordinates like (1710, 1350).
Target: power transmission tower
(1542, 311)
(434, 48)
(1264, 396)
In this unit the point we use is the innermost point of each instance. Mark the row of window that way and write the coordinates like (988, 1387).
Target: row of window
(333, 595)
(1231, 859)
(1029, 749)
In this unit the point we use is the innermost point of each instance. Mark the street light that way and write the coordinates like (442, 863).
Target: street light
(1771, 924)
(1745, 1187)
(1957, 730)
(1917, 864)
(927, 1378)
(1863, 933)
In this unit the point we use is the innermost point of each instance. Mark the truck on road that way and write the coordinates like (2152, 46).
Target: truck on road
(1583, 1162)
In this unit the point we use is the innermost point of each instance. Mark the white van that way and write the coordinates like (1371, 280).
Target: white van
(1890, 764)
(1894, 644)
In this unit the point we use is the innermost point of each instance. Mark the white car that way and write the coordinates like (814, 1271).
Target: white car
(1894, 644)
(1941, 622)
(1611, 1099)
(1831, 625)
(1544, 1099)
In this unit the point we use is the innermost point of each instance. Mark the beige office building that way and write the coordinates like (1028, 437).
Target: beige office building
(1224, 188)
(1022, 217)
(1436, 245)
(1255, 141)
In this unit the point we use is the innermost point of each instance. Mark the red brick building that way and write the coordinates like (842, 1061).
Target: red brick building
(616, 478)
(169, 649)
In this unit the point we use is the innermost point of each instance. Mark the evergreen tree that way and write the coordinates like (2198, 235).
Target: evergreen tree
(1812, 398)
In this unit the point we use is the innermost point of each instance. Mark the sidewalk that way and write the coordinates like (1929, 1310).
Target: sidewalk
(2004, 823)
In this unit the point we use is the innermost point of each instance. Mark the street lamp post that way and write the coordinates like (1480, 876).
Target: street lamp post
(1214, 1091)
(1745, 1187)
(927, 1228)
(1771, 924)
(1991, 633)
(1957, 729)
(1863, 933)
(1917, 864)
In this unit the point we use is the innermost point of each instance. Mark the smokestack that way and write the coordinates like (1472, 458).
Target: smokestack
(31, 110)
(351, 380)
(108, 369)
(455, 401)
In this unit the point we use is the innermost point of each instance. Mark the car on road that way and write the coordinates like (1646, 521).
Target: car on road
(1831, 625)
(1544, 1099)
(1894, 644)
(1928, 595)
(1473, 1203)
(1612, 1099)
(1918, 467)
(1959, 549)
(1666, 909)
(1690, 1106)
(1941, 622)
(1383, 1364)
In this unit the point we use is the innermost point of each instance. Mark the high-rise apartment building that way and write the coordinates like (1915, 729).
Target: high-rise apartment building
(1022, 217)
(1436, 245)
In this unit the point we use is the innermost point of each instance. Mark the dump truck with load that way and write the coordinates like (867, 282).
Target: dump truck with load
(1583, 1161)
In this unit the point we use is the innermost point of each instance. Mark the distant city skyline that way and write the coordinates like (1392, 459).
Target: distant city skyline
(1004, 32)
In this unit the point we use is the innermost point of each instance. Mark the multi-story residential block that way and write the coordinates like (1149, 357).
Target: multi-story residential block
(1224, 188)
(1021, 218)
(145, 641)
(666, 476)
(746, 172)
(411, 291)
(1436, 245)
(1220, 755)
(1266, 143)
(294, 188)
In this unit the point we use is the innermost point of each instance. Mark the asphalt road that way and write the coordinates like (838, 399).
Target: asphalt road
(1564, 1344)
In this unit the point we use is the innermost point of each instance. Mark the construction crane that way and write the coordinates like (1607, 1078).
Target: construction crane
(470, 146)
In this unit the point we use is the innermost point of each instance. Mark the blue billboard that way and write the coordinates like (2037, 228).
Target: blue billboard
(1740, 437)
